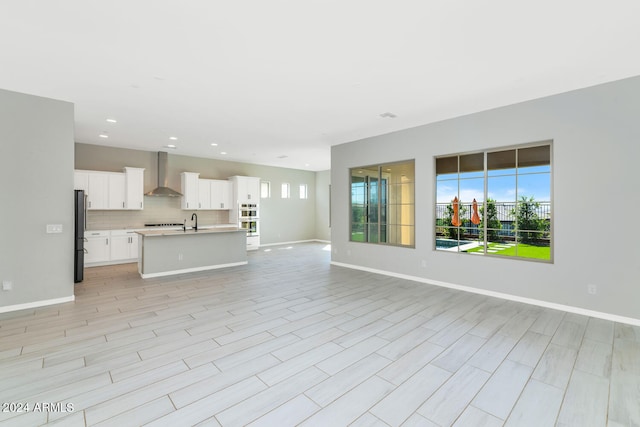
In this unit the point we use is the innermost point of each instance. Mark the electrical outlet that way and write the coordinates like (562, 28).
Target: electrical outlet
(592, 289)
(7, 285)
(424, 263)
(180, 257)
(54, 228)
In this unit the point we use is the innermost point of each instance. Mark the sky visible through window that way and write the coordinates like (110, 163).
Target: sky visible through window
(501, 185)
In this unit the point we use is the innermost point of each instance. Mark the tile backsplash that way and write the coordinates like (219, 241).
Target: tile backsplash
(156, 210)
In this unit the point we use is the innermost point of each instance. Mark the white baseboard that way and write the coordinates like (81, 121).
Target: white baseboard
(293, 242)
(540, 303)
(36, 304)
(103, 263)
(191, 270)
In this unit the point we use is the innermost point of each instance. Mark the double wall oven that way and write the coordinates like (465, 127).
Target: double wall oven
(249, 218)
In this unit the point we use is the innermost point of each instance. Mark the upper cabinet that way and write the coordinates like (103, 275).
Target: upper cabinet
(205, 194)
(116, 190)
(81, 181)
(112, 190)
(134, 197)
(220, 194)
(246, 189)
(98, 191)
(190, 190)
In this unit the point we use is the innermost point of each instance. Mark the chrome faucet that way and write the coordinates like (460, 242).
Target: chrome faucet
(195, 227)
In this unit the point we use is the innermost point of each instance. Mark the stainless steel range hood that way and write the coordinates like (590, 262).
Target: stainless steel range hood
(163, 190)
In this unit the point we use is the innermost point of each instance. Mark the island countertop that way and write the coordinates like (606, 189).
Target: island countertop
(189, 231)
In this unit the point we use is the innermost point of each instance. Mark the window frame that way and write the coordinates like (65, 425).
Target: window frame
(391, 227)
(267, 185)
(486, 176)
(285, 194)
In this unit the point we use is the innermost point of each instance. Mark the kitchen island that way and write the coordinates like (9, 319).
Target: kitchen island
(168, 252)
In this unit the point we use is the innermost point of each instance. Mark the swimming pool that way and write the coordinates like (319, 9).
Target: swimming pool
(454, 245)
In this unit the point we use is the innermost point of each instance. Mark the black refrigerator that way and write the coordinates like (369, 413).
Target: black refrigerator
(78, 258)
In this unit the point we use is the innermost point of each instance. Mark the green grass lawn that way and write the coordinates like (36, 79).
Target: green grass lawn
(524, 251)
(357, 236)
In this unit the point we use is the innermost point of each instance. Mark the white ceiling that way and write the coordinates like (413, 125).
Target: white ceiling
(266, 79)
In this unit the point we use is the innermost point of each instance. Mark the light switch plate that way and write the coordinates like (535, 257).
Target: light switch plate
(54, 228)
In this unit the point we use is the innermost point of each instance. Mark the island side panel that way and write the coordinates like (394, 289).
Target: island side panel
(175, 253)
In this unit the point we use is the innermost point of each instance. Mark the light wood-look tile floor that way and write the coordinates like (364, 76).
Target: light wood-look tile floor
(290, 340)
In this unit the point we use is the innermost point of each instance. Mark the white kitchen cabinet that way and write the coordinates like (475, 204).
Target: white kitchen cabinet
(245, 207)
(253, 243)
(81, 181)
(123, 245)
(246, 189)
(214, 194)
(111, 190)
(204, 194)
(190, 190)
(98, 191)
(220, 194)
(134, 188)
(117, 191)
(97, 246)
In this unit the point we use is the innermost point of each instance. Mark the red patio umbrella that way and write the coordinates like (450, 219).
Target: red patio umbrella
(475, 218)
(456, 212)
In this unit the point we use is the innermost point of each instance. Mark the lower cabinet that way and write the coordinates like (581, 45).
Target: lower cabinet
(96, 246)
(110, 247)
(124, 245)
(253, 243)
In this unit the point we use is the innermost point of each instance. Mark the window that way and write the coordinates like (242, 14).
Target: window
(284, 190)
(382, 204)
(303, 191)
(495, 203)
(265, 189)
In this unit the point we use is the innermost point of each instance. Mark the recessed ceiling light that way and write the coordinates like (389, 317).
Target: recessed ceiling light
(173, 138)
(112, 120)
(223, 152)
(103, 135)
(213, 144)
(171, 146)
(306, 165)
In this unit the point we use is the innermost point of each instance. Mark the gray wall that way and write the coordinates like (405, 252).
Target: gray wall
(596, 150)
(282, 220)
(36, 183)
